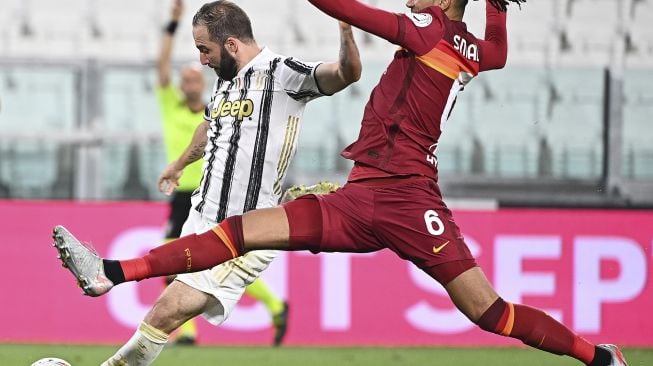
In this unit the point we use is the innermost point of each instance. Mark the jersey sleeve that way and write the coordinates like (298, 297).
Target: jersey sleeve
(495, 46)
(298, 80)
(415, 32)
(420, 32)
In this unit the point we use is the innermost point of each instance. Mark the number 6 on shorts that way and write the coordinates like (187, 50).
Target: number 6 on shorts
(434, 225)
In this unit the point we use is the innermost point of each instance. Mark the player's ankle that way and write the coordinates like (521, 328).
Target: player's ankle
(601, 357)
(113, 271)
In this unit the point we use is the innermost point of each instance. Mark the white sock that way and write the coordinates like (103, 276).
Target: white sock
(141, 349)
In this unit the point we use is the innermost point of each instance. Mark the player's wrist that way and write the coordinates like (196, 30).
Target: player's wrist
(178, 165)
(171, 28)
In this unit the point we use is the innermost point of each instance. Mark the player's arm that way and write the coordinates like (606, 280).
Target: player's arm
(395, 28)
(169, 178)
(164, 62)
(335, 76)
(494, 49)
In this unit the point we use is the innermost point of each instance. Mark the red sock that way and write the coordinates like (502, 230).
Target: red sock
(536, 329)
(191, 253)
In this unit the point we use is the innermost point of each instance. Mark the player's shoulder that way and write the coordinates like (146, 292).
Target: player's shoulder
(266, 59)
(270, 60)
(433, 15)
(168, 93)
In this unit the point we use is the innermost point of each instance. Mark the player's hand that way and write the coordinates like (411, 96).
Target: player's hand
(169, 178)
(502, 5)
(177, 9)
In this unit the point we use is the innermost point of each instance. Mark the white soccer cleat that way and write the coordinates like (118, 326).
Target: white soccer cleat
(618, 358)
(83, 261)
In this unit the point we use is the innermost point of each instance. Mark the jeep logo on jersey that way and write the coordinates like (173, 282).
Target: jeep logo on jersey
(421, 19)
(239, 109)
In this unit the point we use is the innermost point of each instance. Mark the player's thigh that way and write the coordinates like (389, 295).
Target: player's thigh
(472, 293)
(415, 223)
(177, 304)
(336, 222)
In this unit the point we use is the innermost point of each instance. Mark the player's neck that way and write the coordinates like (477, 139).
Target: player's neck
(454, 14)
(249, 52)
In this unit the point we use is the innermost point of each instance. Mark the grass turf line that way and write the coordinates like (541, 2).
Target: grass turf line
(19, 355)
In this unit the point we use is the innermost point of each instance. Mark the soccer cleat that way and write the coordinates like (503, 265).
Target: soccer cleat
(82, 261)
(618, 358)
(185, 340)
(317, 189)
(280, 323)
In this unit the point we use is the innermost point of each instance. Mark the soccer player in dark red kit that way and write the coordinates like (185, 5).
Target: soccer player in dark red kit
(392, 199)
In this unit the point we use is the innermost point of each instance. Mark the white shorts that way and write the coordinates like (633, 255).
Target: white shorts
(226, 282)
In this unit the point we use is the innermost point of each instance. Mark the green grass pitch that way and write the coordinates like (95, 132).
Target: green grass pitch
(19, 355)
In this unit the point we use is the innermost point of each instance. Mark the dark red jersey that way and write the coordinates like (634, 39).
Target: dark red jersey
(408, 109)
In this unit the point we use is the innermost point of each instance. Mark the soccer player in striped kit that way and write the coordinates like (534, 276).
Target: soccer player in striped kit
(182, 110)
(392, 199)
(248, 138)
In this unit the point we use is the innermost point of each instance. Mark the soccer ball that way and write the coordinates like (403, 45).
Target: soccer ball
(51, 361)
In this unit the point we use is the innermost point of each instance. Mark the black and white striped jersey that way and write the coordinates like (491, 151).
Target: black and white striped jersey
(255, 120)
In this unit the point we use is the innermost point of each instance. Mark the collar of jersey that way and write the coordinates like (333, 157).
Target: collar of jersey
(265, 53)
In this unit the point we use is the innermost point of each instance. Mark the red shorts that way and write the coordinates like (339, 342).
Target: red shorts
(406, 216)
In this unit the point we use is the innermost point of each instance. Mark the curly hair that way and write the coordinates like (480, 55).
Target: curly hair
(502, 5)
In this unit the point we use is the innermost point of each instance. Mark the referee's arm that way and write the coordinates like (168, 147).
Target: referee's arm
(163, 64)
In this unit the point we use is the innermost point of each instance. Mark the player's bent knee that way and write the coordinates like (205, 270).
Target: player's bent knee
(472, 293)
(163, 319)
(176, 305)
(168, 319)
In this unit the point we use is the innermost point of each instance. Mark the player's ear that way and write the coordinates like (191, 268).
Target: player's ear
(231, 45)
(445, 4)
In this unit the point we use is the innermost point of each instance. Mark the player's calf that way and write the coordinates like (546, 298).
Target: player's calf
(142, 348)
(537, 329)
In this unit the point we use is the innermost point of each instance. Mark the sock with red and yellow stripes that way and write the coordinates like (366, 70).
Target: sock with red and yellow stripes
(537, 329)
(191, 253)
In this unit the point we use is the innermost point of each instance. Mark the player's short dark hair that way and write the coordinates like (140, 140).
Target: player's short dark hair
(224, 19)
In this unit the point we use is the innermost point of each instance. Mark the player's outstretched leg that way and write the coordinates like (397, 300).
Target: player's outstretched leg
(177, 304)
(475, 297)
(191, 253)
(265, 229)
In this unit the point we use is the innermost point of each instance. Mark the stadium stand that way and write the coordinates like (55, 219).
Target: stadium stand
(638, 128)
(129, 105)
(591, 31)
(35, 103)
(543, 116)
(575, 127)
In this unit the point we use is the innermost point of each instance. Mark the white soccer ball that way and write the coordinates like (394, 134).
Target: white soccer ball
(51, 361)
